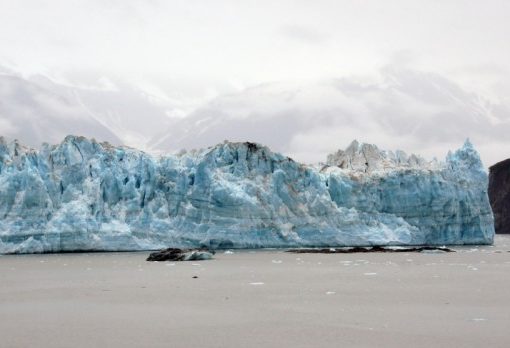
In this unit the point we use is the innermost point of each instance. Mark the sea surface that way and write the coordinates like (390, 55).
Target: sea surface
(267, 298)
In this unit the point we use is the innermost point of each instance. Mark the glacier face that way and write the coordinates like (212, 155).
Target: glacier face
(84, 195)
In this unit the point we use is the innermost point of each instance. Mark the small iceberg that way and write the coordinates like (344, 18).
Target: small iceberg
(175, 254)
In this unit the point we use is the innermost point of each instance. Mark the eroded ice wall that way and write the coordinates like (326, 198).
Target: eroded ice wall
(83, 195)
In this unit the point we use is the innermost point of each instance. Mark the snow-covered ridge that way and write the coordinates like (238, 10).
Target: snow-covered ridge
(84, 195)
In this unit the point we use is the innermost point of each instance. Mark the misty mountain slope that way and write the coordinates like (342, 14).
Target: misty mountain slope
(131, 114)
(304, 120)
(38, 110)
(425, 111)
(35, 114)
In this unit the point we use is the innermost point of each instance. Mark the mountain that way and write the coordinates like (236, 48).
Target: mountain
(37, 114)
(37, 109)
(85, 195)
(426, 111)
(132, 114)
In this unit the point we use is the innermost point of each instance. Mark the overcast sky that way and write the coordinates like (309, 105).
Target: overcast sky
(189, 54)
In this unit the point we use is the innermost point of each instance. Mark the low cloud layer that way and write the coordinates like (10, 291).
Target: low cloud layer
(400, 108)
(415, 111)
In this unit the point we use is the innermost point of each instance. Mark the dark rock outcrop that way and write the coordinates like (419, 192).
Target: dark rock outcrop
(499, 195)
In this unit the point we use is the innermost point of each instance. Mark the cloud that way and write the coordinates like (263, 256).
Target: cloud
(303, 34)
(7, 128)
(405, 108)
(401, 108)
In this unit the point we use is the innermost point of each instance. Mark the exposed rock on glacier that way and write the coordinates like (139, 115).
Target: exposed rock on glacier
(84, 195)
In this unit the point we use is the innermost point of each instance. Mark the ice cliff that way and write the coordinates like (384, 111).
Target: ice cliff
(85, 195)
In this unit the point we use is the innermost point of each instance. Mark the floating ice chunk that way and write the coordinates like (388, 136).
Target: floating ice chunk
(175, 254)
(434, 251)
(479, 319)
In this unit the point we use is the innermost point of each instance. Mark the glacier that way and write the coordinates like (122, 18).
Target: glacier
(83, 195)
